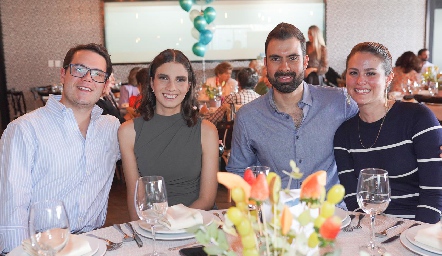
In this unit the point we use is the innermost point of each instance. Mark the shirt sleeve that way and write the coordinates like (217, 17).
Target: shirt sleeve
(345, 166)
(16, 154)
(219, 114)
(427, 139)
(242, 154)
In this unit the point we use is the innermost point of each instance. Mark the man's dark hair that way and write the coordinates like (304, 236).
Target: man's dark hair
(284, 31)
(247, 78)
(99, 49)
(421, 51)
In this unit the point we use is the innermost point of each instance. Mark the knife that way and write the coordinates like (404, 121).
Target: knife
(136, 236)
(393, 238)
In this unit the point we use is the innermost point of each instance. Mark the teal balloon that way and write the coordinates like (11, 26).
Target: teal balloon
(209, 14)
(186, 4)
(200, 23)
(199, 49)
(209, 1)
(206, 36)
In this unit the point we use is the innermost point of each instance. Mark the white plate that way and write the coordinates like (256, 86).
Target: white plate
(98, 248)
(415, 248)
(178, 236)
(160, 229)
(411, 233)
(343, 216)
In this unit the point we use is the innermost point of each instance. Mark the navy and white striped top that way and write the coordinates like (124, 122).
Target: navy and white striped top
(44, 156)
(407, 147)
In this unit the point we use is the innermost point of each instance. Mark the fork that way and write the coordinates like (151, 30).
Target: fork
(349, 228)
(110, 246)
(361, 216)
(126, 237)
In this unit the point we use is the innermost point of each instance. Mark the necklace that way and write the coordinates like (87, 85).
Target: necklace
(379, 132)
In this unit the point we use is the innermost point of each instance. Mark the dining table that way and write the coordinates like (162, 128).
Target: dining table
(347, 242)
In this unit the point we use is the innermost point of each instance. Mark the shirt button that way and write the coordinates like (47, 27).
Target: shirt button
(300, 160)
(297, 137)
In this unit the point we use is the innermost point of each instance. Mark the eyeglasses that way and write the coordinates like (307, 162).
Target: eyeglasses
(80, 71)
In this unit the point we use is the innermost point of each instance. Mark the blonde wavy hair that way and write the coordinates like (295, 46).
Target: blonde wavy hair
(318, 39)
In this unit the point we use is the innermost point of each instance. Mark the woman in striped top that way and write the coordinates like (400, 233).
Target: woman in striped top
(402, 138)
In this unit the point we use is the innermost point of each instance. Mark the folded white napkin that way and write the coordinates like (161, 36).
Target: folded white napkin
(77, 245)
(181, 217)
(431, 236)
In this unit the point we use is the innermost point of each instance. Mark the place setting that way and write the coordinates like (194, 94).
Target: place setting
(425, 239)
(50, 235)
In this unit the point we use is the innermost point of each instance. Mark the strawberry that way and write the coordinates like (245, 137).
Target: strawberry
(249, 177)
(260, 188)
(311, 186)
(330, 228)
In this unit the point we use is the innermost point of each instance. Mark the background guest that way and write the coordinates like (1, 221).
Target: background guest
(406, 71)
(134, 101)
(247, 80)
(107, 101)
(318, 59)
(424, 55)
(64, 151)
(130, 89)
(263, 85)
(223, 78)
(400, 137)
(169, 139)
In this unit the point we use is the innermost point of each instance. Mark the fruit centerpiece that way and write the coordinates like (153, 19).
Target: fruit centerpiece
(284, 232)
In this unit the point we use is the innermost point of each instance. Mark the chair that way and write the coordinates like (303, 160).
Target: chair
(16, 99)
(225, 130)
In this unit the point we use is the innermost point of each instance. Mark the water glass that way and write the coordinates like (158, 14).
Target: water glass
(373, 195)
(48, 227)
(151, 203)
(433, 88)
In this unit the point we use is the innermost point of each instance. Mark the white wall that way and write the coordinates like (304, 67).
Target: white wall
(397, 24)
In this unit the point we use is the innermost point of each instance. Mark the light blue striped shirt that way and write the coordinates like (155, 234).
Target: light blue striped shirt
(43, 155)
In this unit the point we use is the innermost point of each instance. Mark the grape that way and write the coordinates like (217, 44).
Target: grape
(235, 215)
(238, 195)
(244, 228)
(249, 241)
(242, 206)
(318, 222)
(327, 209)
(313, 240)
(250, 252)
(304, 218)
(336, 194)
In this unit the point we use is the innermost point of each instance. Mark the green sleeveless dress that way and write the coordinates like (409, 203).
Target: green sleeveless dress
(166, 146)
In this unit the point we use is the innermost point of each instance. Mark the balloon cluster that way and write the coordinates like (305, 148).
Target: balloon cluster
(203, 27)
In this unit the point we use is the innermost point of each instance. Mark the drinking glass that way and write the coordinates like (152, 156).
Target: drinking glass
(48, 227)
(373, 195)
(151, 203)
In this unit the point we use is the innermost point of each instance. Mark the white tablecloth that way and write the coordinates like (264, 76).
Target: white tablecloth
(349, 242)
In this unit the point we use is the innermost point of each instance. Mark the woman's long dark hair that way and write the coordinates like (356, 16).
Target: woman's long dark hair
(148, 101)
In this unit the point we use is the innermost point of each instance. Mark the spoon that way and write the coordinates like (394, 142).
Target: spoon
(384, 233)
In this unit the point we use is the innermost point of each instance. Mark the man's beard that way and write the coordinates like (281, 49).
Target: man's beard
(286, 87)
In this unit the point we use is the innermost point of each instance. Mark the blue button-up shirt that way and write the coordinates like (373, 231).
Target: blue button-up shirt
(262, 135)
(44, 156)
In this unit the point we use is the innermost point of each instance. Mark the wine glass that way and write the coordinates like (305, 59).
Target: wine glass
(48, 227)
(151, 203)
(373, 195)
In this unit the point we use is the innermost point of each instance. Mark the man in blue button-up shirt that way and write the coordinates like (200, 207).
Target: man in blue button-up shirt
(294, 120)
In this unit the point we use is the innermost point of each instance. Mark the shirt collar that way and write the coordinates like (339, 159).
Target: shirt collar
(305, 100)
(54, 104)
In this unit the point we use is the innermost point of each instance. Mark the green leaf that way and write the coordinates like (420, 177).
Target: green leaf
(222, 240)
(213, 250)
(202, 237)
(212, 230)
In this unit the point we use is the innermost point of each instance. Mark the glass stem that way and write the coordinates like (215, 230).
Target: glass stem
(154, 250)
(372, 237)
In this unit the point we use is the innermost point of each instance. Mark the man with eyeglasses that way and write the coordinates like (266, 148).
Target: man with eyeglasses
(65, 150)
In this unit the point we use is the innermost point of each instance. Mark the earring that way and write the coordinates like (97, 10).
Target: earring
(386, 98)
